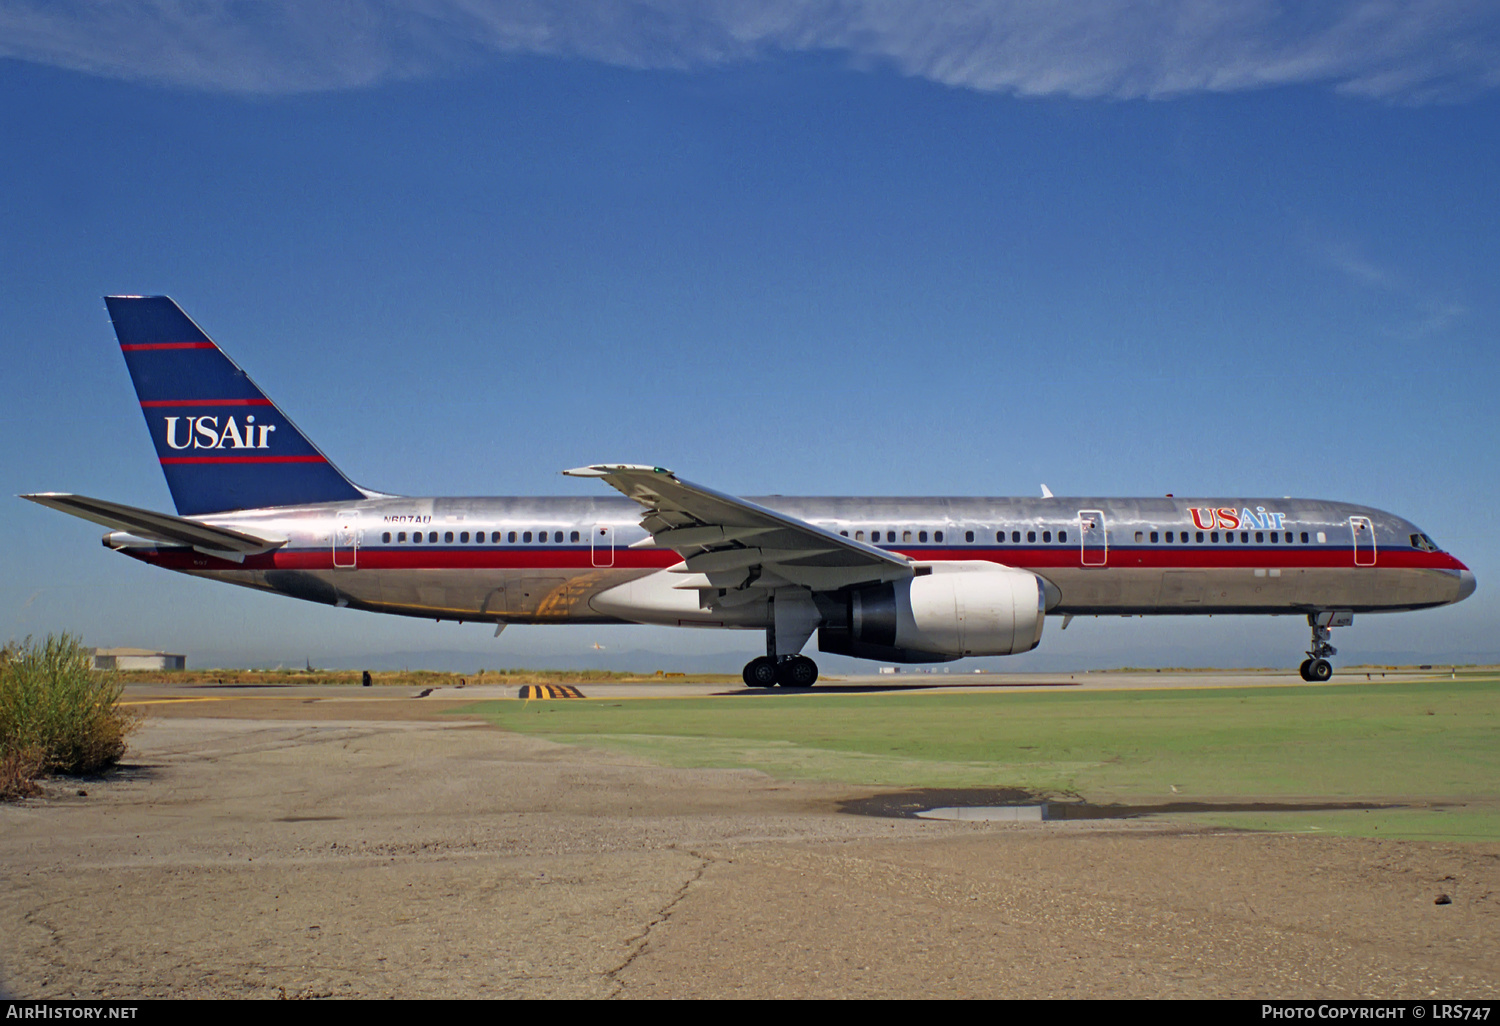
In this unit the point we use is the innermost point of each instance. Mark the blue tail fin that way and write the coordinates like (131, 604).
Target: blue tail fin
(223, 445)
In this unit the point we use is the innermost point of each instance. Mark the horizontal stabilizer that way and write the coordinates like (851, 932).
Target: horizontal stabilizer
(161, 527)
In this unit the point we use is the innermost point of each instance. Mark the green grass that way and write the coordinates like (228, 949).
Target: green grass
(1436, 743)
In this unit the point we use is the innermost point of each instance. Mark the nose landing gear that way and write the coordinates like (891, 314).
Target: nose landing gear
(1316, 668)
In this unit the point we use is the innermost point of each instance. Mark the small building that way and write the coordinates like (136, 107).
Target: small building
(137, 659)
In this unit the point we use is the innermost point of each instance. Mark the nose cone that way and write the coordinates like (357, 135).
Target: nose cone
(1466, 584)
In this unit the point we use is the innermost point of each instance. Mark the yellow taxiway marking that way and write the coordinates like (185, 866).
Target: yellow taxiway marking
(175, 701)
(530, 691)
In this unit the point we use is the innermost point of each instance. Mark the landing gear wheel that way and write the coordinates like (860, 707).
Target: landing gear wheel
(797, 672)
(1317, 669)
(760, 672)
(1303, 669)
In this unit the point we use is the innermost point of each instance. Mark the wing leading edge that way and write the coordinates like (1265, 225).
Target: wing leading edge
(729, 543)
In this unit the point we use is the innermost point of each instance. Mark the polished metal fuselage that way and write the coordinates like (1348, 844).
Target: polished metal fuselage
(542, 560)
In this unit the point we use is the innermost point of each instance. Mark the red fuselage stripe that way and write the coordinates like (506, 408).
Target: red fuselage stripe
(505, 557)
(205, 402)
(166, 460)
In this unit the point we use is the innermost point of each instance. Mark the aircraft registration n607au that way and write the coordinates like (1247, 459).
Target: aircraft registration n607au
(893, 579)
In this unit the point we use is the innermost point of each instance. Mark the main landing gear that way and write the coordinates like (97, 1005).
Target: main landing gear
(1316, 668)
(796, 616)
(796, 671)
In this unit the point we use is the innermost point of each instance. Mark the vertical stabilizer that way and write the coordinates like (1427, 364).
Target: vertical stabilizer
(222, 444)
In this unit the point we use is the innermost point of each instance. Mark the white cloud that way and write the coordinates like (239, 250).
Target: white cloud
(1402, 51)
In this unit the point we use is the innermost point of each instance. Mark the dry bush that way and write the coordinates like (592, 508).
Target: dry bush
(54, 703)
(19, 770)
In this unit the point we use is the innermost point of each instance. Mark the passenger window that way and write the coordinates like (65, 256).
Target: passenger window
(557, 536)
(1259, 537)
(512, 537)
(1140, 536)
(906, 536)
(1304, 537)
(448, 537)
(1200, 537)
(1000, 536)
(1153, 537)
(844, 533)
(1275, 537)
(574, 536)
(1245, 537)
(921, 536)
(890, 536)
(1015, 536)
(1322, 538)
(526, 537)
(968, 536)
(401, 537)
(386, 537)
(464, 538)
(937, 536)
(1062, 536)
(1212, 536)
(495, 537)
(859, 536)
(1031, 536)
(1046, 536)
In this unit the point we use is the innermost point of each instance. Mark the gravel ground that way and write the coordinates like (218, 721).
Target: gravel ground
(369, 848)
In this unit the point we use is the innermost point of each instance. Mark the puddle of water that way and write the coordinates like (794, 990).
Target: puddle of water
(989, 813)
(1011, 804)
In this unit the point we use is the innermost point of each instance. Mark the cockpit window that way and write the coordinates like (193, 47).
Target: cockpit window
(1421, 541)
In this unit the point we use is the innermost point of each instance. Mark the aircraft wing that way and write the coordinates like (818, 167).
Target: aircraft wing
(162, 527)
(727, 542)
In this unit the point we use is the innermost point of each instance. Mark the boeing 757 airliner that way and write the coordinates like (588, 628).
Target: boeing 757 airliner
(892, 579)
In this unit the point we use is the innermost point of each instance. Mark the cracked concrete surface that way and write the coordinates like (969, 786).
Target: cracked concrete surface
(260, 854)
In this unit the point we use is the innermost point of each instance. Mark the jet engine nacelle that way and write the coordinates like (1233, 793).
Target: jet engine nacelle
(959, 609)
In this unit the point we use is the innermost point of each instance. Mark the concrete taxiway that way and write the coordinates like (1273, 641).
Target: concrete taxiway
(366, 843)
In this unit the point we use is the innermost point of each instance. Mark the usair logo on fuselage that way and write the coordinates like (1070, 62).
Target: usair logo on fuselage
(1229, 519)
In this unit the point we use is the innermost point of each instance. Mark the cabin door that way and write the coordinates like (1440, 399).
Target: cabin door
(1364, 540)
(604, 545)
(1092, 539)
(346, 541)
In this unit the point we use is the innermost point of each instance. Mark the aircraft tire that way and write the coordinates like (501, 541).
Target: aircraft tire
(797, 672)
(1319, 670)
(760, 673)
(1303, 669)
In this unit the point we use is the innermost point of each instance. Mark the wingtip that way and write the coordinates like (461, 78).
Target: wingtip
(605, 469)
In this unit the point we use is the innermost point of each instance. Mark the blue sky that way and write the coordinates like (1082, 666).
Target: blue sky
(798, 248)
